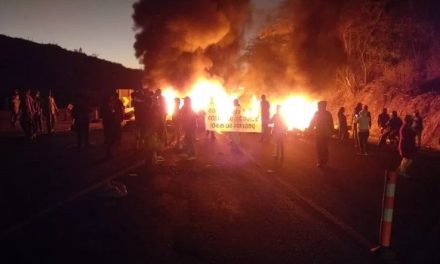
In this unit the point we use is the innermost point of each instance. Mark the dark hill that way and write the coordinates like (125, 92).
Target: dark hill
(25, 64)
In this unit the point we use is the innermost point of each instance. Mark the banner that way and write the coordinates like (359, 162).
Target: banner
(234, 122)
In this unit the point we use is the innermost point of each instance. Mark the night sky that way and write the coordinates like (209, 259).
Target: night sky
(102, 27)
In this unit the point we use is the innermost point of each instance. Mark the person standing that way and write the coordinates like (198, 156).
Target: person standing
(38, 117)
(382, 120)
(162, 116)
(363, 122)
(235, 136)
(177, 123)
(265, 118)
(139, 102)
(81, 115)
(51, 111)
(356, 112)
(28, 115)
(418, 127)
(189, 125)
(343, 126)
(15, 108)
(112, 113)
(407, 146)
(279, 131)
(322, 123)
(392, 128)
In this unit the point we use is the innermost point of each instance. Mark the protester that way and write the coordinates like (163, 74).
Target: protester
(391, 129)
(407, 146)
(112, 113)
(382, 120)
(365, 108)
(265, 118)
(15, 108)
(418, 127)
(27, 115)
(356, 112)
(279, 131)
(38, 117)
(322, 123)
(189, 128)
(363, 122)
(162, 116)
(139, 102)
(177, 123)
(51, 111)
(343, 127)
(235, 136)
(81, 123)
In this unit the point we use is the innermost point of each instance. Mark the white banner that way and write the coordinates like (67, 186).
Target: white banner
(215, 120)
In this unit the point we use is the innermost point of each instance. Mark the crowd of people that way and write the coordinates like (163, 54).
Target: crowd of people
(31, 109)
(150, 111)
(405, 134)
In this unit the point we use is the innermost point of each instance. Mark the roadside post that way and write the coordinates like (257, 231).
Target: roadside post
(383, 249)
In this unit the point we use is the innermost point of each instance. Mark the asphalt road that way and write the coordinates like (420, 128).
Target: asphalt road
(224, 207)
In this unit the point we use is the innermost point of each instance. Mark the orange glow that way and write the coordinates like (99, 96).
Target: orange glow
(297, 110)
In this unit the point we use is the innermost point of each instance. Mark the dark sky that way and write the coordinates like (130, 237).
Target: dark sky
(102, 27)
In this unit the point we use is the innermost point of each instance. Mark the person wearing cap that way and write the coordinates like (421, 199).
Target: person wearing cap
(407, 146)
(322, 124)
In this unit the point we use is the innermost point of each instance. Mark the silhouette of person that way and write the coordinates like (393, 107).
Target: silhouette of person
(343, 126)
(15, 108)
(189, 125)
(392, 129)
(356, 112)
(418, 127)
(38, 117)
(382, 120)
(27, 115)
(112, 113)
(279, 132)
(407, 146)
(265, 118)
(322, 123)
(51, 111)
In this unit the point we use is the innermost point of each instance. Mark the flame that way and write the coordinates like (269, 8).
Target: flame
(297, 110)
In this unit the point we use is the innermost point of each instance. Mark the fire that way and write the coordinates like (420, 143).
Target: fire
(297, 110)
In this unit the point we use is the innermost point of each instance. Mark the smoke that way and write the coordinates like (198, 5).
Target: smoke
(179, 40)
(299, 49)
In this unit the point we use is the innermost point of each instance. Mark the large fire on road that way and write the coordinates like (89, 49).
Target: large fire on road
(297, 109)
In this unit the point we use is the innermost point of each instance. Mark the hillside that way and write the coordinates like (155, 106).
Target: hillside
(25, 64)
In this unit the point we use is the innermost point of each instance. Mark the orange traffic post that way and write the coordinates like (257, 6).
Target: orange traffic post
(387, 211)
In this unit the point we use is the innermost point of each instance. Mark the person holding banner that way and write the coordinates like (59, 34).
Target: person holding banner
(279, 132)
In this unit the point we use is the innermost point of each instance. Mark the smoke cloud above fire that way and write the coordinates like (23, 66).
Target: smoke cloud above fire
(178, 41)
